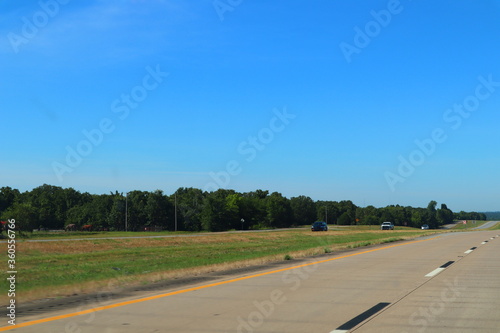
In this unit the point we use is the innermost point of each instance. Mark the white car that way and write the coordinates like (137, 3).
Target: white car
(425, 227)
(387, 226)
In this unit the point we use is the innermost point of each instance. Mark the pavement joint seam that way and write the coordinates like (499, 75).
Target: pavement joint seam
(404, 296)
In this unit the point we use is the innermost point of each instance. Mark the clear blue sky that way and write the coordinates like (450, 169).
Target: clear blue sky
(320, 98)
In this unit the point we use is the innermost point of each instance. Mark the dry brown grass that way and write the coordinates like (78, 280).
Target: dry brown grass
(89, 246)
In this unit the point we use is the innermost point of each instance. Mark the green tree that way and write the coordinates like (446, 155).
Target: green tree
(136, 206)
(371, 220)
(304, 210)
(429, 216)
(327, 211)
(24, 214)
(213, 216)
(100, 209)
(279, 212)
(345, 219)
(417, 219)
(431, 207)
(189, 208)
(80, 215)
(158, 210)
(348, 207)
(73, 198)
(386, 215)
(116, 217)
(50, 203)
(7, 197)
(253, 208)
(368, 215)
(444, 215)
(232, 212)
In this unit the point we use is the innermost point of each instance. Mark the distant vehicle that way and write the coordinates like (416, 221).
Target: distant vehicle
(319, 226)
(425, 227)
(387, 226)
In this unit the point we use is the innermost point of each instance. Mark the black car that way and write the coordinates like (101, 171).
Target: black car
(319, 226)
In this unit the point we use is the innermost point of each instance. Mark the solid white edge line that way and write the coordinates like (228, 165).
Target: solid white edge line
(468, 251)
(435, 272)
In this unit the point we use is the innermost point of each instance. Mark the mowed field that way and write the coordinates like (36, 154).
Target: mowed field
(61, 268)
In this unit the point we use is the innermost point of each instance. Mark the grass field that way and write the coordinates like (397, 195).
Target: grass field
(52, 269)
(47, 235)
(468, 225)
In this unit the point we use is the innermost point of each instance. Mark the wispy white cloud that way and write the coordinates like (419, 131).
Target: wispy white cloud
(101, 29)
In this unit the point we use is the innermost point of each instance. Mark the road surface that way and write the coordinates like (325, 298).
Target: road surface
(444, 283)
(487, 225)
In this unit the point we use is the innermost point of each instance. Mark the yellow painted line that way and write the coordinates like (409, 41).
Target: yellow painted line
(111, 306)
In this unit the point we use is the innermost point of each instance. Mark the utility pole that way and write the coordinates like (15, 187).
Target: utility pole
(175, 211)
(126, 211)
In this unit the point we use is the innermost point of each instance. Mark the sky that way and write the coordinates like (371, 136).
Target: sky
(378, 102)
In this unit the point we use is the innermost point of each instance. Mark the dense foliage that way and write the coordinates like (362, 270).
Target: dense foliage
(492, 215)
(52, 207)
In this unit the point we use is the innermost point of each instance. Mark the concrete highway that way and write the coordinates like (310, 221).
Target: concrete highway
(444, 283)
(487, 225)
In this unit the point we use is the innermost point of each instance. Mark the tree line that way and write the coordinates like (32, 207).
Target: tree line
(191, 209)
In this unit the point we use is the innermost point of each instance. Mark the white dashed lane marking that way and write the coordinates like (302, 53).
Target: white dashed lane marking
(439, 269)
